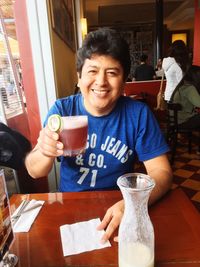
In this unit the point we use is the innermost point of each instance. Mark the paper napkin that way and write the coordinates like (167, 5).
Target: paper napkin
(80, 237)
(23, 224)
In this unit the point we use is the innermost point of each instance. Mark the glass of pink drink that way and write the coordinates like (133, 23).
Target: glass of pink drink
(73, 134)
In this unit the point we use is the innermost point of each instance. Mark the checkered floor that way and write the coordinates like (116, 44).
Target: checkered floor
(186, 170)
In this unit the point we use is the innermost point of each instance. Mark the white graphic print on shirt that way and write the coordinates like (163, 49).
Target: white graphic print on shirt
(111, 146)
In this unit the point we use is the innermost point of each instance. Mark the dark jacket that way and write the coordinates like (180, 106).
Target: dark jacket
(13, 147)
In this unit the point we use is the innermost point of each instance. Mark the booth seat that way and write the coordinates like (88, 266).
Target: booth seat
(147, 89)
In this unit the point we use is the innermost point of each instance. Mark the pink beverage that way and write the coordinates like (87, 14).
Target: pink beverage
(73, 134)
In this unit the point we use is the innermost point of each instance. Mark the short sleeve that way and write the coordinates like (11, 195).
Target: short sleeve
(150, 141)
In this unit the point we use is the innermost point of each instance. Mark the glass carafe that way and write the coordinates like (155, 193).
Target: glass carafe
(136, 233)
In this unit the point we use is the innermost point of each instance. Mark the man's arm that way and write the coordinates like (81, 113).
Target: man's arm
(40, 160)
(160, 170)
(157, 168)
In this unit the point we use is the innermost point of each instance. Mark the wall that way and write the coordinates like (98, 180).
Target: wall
(178, 15)
(27, 70)
(39, 75)
(20, 124)
(196, 51)
(64, 63)
(28, 184)
(64, 67)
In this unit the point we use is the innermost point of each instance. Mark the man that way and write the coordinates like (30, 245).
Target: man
(144, 71)
(119, 127)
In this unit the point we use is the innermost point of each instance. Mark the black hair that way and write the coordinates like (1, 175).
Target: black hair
(105, 41)
(143, 58)
(179, 51)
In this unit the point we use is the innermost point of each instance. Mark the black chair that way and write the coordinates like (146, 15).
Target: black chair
(13, 149)
(173, 129)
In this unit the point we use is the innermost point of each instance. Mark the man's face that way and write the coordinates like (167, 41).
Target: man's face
(101, 84)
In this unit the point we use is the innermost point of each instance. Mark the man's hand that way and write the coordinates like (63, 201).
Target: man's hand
(40, 160)
(111, 220)
(48, 143)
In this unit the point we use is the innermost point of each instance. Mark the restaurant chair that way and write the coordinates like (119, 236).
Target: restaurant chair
(174, 129)
(13, 148)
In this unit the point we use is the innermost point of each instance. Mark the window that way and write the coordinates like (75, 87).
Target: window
(11, 98)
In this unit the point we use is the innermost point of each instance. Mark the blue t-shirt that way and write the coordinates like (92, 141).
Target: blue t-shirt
(113, 142)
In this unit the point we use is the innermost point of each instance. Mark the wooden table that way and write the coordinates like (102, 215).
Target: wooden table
(175, 219)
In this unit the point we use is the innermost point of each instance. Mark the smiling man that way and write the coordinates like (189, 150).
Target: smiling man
(101, 82)
(119, 128)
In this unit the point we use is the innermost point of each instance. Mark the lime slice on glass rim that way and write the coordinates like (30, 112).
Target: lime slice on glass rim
(55, 122)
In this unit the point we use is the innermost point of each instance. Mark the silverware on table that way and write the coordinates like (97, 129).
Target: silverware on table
(26, 210)
(15, 218)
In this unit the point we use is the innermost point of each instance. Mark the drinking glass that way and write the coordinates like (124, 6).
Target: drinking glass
(73, 134)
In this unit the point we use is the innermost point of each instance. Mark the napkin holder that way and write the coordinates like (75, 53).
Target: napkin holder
(6, 233)
(8, 259)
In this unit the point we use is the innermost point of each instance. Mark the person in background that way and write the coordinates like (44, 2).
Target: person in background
(158, 69)
(144, 71)
(118, 128)
(174, 66)
(159, 65)
(187, 94)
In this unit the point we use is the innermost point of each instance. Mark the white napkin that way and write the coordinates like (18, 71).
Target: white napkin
(28, 216)
(81, 237)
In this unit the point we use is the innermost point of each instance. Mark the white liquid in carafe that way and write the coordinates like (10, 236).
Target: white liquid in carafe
(135, 255)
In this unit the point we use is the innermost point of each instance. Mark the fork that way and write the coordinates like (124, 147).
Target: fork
(20, 211)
